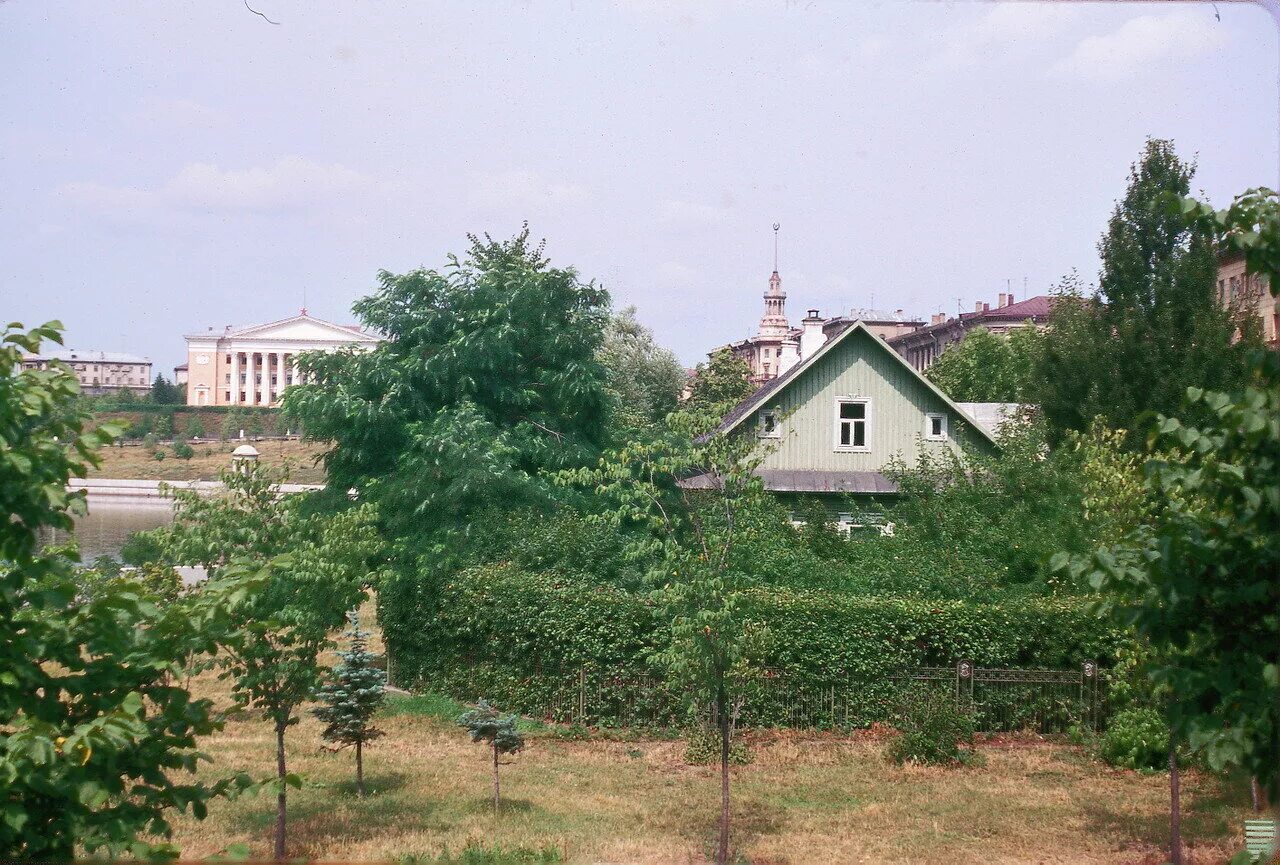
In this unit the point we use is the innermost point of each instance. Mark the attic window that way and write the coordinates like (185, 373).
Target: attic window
(935, 427)
(852, 418)
(769, 428)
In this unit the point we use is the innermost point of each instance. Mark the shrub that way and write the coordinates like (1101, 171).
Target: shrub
(702, 748)
(1136, 739)
(159, 456)
(149, 441)
(182, 450)
(522, 638)
(195, 427)
(932, 729)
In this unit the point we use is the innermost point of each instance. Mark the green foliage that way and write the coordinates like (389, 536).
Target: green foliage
(481, 854)
(644, 380)
(318, 564)
(720, 383)
(984, 367)
(1198, 581)
(164, 392)
(702, 748)
(1155, 327)
(195, 427)
(1136, 739)
(489, 376)
(522, 637)
(232, 423)
(97, 734)
(353, 692)
(182, 450)
(487, 724)
(932, 729)
(162, 425)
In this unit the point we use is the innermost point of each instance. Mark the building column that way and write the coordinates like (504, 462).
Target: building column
(250, 386)
(235, 379)
(264, 391)
(293, 361)
(279, 385)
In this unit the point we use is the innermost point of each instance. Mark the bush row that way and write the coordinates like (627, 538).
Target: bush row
(548, 644)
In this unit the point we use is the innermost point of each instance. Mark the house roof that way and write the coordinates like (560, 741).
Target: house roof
(1033, 307)
(81, 356)
(775, 386)
(794, 481)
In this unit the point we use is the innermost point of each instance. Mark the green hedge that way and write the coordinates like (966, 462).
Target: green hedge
(525, 639)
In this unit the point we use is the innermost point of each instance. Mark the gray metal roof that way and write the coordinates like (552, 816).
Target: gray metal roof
(73, 355)
(788, 481)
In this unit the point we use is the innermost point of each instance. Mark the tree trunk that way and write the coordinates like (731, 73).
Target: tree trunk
(281, 800)
(722, 707)
(359, 769)
(1175, 807)
(495, 778)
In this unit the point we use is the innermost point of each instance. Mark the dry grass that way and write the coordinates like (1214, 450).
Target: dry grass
(804, 799)
(137, 462)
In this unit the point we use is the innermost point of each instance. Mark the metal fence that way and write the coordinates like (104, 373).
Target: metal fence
(1000, 699)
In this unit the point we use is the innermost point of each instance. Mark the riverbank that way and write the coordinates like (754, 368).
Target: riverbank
(132, 491)
(209, 460)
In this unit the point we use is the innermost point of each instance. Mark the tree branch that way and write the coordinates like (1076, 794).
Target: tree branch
(259, 14)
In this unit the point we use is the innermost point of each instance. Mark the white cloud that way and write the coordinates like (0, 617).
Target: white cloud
(685, 215)
(524, 189)
(292, 183)
(1001, 28)
(1143, 43)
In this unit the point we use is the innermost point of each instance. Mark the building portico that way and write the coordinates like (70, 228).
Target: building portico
(252, 366)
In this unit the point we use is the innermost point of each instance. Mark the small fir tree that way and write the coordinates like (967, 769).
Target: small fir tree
(354, 692)
(487, 724)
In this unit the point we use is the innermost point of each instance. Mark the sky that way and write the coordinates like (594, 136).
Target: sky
(170, 166)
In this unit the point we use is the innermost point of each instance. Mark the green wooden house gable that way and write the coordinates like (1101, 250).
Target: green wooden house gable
(855, 368)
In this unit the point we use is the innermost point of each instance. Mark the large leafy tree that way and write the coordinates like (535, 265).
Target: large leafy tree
(96, 731)
(644, 379)
(1198, 579)
(1154, 327)
(985, 367)
(489, 375)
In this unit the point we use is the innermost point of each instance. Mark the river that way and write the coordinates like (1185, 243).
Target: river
(104, 529)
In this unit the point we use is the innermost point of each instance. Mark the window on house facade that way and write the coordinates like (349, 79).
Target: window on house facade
(935, 427)
(769, 428)
(852, 418)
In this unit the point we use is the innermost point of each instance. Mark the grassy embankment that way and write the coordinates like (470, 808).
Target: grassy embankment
(136, 462)
(804, 799)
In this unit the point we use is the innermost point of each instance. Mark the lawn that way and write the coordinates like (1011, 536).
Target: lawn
(136, 462)
(805, 798)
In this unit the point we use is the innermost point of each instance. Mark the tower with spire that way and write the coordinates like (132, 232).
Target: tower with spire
(773, 324)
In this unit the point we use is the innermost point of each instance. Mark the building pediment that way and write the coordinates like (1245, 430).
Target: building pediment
(298, 328)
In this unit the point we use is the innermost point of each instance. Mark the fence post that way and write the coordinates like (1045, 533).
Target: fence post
(1089, 693)
(964, 685)
(582, 695)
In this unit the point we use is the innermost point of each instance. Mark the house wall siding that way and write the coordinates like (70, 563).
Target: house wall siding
(859, 367)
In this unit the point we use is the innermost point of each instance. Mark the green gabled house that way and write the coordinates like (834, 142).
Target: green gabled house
(835, 419)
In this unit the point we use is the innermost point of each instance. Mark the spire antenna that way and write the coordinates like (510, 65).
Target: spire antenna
(304, 300)
(776, 226)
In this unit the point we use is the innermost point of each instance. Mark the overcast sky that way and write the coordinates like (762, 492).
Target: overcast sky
(169, 166)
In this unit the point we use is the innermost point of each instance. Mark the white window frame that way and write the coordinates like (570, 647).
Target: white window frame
(866, 421)
(928, 427)
(763, 430)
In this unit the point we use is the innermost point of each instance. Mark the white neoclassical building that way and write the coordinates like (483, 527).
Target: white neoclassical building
(253, 365)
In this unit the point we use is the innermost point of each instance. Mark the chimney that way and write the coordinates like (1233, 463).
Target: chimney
(1010, 303)
(812, 338)
(788, 355)
(938, 318)
(977, 307)
(1003, 302)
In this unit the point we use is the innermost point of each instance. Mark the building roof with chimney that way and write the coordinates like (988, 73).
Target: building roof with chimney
(74, 355)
